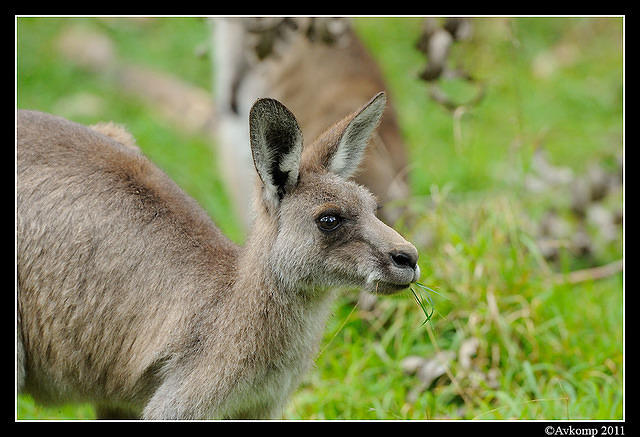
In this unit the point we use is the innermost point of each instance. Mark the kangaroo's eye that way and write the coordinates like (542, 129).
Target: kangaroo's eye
(329, 222)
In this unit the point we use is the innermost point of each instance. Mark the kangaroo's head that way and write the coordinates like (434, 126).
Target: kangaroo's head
(323, 225)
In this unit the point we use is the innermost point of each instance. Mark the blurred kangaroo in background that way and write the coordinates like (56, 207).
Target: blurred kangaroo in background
(131, 298)
(319, 69)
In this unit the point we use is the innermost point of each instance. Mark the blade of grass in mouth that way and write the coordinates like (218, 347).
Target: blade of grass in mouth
(424, 299)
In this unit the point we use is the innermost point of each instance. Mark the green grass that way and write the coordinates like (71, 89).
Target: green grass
(546, 350)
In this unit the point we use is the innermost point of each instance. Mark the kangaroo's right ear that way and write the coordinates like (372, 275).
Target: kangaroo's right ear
(276, 146)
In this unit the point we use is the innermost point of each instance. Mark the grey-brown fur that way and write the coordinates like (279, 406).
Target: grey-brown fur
(129, 296)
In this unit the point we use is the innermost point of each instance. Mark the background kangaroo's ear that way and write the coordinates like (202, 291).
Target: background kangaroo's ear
(345, 158)
(276, 146)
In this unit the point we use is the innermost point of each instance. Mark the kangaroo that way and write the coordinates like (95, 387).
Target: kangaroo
(320, 70)
(130, 297)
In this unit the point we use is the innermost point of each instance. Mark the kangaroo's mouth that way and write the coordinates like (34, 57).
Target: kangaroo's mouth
(391, 283)
(384, 287)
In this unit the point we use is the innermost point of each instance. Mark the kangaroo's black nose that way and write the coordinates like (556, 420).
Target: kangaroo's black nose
(404, 258)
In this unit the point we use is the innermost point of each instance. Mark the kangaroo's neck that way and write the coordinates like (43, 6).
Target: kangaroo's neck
(284, 314)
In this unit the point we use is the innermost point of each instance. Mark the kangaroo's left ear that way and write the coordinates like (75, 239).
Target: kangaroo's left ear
(345, 158)
(276, 146)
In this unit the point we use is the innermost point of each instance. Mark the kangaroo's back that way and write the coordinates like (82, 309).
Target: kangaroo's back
(104, 237)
